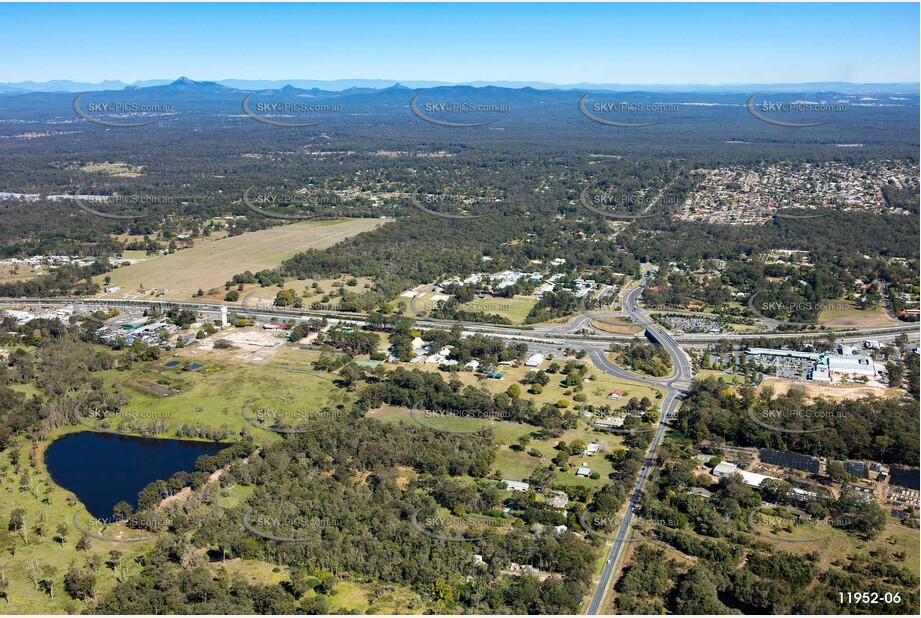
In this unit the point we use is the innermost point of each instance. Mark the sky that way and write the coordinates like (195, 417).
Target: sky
(557, 43)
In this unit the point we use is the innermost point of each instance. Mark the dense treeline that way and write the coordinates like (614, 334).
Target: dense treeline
(884, 430)
(650, 359)
(62, 281)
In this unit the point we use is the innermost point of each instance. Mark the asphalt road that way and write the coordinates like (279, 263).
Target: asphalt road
(562, 334)
(676, 386)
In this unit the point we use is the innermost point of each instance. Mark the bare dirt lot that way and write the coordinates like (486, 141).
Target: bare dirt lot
(251, 345)
(836, 392)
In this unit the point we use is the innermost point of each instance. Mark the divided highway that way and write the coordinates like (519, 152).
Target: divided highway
(595, 345)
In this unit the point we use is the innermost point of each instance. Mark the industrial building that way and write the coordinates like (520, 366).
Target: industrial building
(820, 367)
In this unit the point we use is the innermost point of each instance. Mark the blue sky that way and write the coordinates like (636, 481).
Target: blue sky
(559, 43)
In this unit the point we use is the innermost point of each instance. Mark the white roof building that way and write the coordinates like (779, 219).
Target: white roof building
(583, 471)
(534, 360)
(820, 373)
(725, 468)
(419, 342)
(852, 365)
(517, 485)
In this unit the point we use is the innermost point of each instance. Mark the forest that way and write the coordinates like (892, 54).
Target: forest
(870, 428)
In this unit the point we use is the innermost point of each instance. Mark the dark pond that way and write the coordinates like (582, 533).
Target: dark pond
(103, 469)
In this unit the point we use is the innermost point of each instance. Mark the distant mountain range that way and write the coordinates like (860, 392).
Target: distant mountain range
(368, 85)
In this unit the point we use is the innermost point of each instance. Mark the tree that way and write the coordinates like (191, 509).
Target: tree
(441, 591)
(287, 298)
(80, 584)
(121, 511)
(836, 472)
(896, 374)
(115, 559)
(49, 572)
(84, 543)
(18, 523)
(94, 562)
(61, 536)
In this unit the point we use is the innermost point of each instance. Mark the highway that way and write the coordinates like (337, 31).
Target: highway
(676, 386)
(558, 334)
(546, 338)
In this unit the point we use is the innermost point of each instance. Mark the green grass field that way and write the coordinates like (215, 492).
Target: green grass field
(713, 373)
(745, 328)
(832, 543)
(216, 395)
(210, 263)
(848, 314)
(515, 309)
